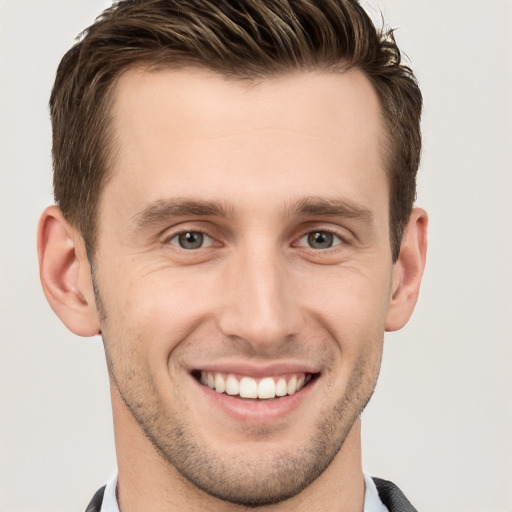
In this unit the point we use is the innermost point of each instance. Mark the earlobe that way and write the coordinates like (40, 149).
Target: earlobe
(407, 271)
(65, 273)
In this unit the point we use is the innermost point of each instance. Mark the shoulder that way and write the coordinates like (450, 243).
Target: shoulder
(97, 500)
(392, 496)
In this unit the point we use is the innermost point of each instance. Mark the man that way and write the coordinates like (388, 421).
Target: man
(235, 185)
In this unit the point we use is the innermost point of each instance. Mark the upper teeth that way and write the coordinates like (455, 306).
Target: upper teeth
(247, 387)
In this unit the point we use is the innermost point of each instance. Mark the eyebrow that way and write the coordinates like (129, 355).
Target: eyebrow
(163, 209)
(319, 206)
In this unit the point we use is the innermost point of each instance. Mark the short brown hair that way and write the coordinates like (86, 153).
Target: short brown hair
(244, 39)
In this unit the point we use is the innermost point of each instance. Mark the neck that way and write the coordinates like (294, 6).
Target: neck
(147, 482)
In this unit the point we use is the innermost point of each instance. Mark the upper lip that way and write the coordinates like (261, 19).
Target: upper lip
(257, 370)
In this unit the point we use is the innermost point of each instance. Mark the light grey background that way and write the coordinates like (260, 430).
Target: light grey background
(440, 422)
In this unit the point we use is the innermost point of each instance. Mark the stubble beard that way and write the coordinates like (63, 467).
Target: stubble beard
(254, 482)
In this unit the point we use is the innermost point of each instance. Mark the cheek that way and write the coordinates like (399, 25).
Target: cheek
(151, 312)
(351, 301)
(353, 314)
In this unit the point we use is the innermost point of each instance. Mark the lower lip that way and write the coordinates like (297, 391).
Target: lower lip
(257, 411)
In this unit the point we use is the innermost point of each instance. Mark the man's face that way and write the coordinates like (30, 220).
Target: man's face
(244, 244)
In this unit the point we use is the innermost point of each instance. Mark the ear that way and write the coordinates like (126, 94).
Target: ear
(407, 271)
(66, 274)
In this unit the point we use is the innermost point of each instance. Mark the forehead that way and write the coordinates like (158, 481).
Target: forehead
(193, 132)
(196, 103)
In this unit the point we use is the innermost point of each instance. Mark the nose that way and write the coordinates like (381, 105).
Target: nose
(260, 306)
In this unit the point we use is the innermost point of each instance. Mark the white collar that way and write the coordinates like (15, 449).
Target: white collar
(372, 501)
(109, 497)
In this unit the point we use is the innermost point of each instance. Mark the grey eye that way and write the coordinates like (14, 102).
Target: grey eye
(190, 240)
(320, 240)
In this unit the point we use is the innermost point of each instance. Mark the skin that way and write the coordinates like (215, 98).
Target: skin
(264, 165)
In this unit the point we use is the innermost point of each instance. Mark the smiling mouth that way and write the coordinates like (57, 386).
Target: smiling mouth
(265, 388)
